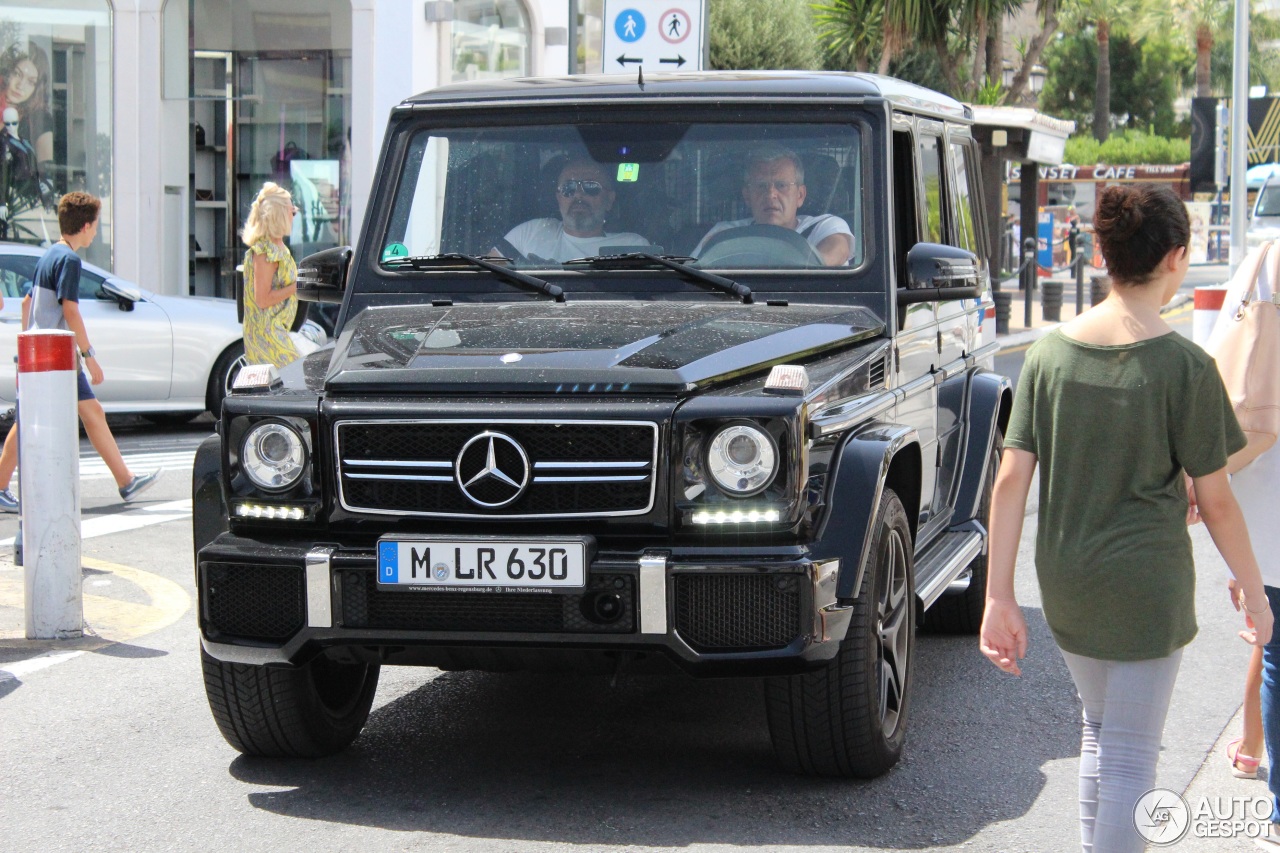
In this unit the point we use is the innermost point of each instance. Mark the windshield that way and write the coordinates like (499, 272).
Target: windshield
(729, 195)
(1269, 201)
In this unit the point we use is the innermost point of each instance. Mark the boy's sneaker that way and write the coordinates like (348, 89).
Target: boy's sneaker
(139, 484)
(8, 503)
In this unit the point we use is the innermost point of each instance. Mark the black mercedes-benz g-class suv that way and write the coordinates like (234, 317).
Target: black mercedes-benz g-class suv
(687, 369)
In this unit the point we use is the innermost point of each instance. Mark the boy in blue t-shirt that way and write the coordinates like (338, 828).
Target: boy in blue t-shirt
(54, 303)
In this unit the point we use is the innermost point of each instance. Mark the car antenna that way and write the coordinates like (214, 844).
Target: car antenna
(640, 80)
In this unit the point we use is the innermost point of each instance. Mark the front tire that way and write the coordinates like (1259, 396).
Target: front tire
(223, 374)
(849, 719)
(310, 711)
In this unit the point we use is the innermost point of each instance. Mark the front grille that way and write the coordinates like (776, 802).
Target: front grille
(569, 468)
(364, 605)
(252, 602)
(737, 612)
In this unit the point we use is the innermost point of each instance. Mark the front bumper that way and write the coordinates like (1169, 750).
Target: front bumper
(770, 611)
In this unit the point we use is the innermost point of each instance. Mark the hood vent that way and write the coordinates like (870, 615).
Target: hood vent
(875, 374)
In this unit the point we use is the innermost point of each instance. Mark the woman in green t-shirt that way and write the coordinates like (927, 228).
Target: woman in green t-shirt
(1114, 406)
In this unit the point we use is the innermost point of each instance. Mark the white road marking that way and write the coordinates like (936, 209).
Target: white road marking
(131, 519)
(18, 670)
(93, 468)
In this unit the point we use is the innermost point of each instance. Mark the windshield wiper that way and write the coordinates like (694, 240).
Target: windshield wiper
(671, 262)
(451, 259)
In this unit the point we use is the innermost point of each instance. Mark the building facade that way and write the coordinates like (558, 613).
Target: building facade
(176, 111)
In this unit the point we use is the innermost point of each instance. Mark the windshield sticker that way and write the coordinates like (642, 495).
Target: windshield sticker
(395, 250)
(628, 172)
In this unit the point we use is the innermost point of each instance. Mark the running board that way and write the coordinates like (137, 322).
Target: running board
(944, 560)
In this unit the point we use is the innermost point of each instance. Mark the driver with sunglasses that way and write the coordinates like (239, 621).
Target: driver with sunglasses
(585, 195)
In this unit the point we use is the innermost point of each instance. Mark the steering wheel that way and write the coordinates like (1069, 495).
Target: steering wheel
(759, 246)
(508, 248)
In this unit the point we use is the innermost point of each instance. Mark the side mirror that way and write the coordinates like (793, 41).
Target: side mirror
(322, 277)
(124, 297)
(937, 272)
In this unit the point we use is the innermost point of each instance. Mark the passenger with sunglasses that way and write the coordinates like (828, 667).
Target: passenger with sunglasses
(773, 187)
(585, 195)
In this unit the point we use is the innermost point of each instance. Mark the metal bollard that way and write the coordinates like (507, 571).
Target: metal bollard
(50, 485)
(1028, 278)
(1077, 255)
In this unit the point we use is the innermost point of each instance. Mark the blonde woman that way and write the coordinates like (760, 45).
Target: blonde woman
(270, 279)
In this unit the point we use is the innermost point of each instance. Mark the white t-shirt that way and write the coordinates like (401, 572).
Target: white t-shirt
(1258, 483)
(547, 239)
(823, 226)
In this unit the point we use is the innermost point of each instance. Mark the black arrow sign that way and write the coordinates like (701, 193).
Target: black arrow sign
(677, 62)
(624, 59)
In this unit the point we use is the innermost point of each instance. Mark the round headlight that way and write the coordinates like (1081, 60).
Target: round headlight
(273, 456)
(742, 459)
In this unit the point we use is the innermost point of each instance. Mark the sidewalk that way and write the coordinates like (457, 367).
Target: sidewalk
(1021, 333)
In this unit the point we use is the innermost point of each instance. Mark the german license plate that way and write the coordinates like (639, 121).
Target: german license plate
(479, 565)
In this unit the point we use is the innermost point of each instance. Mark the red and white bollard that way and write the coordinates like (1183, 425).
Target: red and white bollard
(49, 439)
(1206, 306)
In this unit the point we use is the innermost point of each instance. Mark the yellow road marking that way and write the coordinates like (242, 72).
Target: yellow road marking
(107, 620)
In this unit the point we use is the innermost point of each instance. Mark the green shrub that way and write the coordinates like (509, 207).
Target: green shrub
(1130, 147)
(763, 34)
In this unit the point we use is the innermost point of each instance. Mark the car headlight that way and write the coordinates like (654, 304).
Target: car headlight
(273, 456)
(742, 459)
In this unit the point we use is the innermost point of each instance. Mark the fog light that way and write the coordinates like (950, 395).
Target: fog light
(271, 511)
(736, 516)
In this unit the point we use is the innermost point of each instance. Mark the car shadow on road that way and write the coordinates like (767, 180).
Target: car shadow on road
(670, 761)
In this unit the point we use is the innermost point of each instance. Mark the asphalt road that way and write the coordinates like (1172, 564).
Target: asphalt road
(113, 748)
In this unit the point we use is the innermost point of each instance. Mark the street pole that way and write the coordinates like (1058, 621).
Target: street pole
(1028, 277)
(1239, 135)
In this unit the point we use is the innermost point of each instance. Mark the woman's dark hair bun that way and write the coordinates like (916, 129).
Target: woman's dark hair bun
(1137, 225)
(1122, 210)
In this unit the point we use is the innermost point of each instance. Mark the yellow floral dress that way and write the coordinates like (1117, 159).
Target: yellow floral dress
(266, 330)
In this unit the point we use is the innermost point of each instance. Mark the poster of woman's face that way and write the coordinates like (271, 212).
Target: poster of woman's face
(56, 135)
(24, 85)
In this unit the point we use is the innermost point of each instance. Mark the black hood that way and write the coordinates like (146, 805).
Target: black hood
(581, 347)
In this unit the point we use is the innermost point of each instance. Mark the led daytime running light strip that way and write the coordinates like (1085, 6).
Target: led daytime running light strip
(737, 516)
(288, 513)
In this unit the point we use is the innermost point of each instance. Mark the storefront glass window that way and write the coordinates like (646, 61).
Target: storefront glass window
(55, 99)
(490, 39)
(270, 100)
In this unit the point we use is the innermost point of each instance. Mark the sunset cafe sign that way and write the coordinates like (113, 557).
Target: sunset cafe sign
(1102, 173)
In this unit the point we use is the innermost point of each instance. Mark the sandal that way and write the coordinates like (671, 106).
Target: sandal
(1242, 766)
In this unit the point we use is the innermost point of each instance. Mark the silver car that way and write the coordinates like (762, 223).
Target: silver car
(1265, 223)
(167, 358)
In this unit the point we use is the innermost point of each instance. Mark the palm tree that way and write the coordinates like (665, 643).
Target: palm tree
(1103, 16)
(901, 19)
(1203, 22)
(851, 28)
(1048, 11)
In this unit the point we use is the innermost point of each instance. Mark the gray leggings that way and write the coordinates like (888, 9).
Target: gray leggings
(1125, 703)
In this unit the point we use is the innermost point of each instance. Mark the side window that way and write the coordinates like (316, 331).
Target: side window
(966, 232)
(16, 273)
(90, 285)
(931, 173)
(904, 201)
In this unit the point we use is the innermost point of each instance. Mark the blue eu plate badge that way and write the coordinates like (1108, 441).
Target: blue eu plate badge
(387, 563)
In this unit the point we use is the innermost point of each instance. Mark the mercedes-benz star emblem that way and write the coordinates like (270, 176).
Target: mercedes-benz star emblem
(492, 470)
